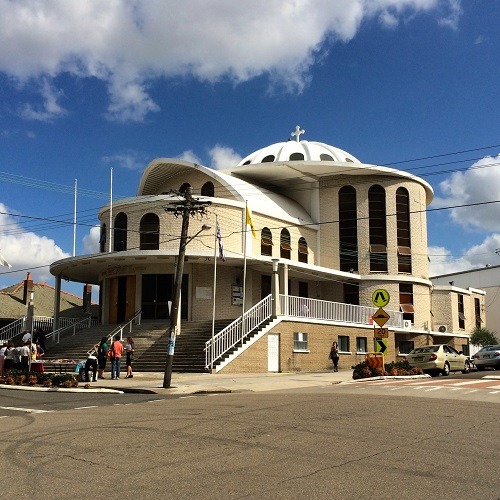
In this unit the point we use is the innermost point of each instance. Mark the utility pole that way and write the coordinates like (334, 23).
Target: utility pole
(185, 208)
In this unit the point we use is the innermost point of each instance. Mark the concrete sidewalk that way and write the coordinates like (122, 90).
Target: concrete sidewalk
(196, 383)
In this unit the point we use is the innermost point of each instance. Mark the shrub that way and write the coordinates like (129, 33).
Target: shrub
(393, 369)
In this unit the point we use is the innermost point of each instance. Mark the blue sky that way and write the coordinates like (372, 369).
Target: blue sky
(86, 86)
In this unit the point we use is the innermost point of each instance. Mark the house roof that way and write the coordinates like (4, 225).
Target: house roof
(12, 305)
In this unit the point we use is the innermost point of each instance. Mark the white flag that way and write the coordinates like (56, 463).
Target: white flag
(3, 262)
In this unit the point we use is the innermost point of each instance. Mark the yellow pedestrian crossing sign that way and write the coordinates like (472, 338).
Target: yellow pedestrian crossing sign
(380, 297)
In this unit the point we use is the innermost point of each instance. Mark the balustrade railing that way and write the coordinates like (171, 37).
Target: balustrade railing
(44, 323)
(237, 331)
(301, 307)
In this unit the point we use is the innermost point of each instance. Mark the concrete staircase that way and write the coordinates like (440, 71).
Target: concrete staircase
(189, 348)
(150, 345)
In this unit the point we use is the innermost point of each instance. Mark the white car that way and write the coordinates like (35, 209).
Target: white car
(436, 359)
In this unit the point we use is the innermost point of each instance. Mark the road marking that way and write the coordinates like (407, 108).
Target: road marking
(84, 407)
(493, 387)
(433, 389)
(468, 382)
(186, 397)
(26, 410)
(154, 400)
(397, 388)
(472, 390)
(4, 416)
(494, 392)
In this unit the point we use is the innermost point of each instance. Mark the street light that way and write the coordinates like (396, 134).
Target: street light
(174, 312)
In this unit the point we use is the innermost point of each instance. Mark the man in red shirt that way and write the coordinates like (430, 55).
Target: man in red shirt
(116, 351)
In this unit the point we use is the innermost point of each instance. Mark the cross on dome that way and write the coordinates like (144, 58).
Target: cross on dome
(298, 132)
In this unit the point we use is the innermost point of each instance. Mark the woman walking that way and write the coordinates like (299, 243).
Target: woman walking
(334, 356)
(129, 351)
(102, 355)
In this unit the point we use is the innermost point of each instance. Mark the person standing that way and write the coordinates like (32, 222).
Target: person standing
(129, 351)
(2, 358)
(102, 355)
(116, 357)
(334, 356)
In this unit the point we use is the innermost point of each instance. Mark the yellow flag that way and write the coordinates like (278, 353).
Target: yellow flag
(249, 221)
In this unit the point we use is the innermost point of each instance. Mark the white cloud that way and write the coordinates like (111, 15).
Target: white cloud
(478, 184)
(49, 109)
(26, 250)
(129, 44)
(442, 261)
(91, 240)
(223, 157)
(190, 156)
(130, 160)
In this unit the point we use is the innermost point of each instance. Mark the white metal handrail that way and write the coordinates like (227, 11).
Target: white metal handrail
(119, 330)
(12, 329)
(301, 307)
(79, 324)
(42, 322)
(237, 331)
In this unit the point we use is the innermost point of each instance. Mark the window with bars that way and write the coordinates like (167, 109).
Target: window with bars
(403, 230)
(348, 229)
(477, 312)
(266, 242)
(406, 301)
(102, 239)
(149, 230)
(302, 250)
(120, 233)
(285, 244)
(377, 228)
(461, 312)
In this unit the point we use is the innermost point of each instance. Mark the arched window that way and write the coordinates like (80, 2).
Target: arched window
(348, 229)
(266, 242)
(296, 156)
(268, 158)
(377, 228)
(184, 187)
(208, 189)
(302, 250)
(325, 157)
(120, 233)
(285, 244)
(403, 228)
(150, 232)
(102, 239)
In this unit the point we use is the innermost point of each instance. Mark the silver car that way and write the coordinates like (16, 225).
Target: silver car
(488, 356)
(436, 359)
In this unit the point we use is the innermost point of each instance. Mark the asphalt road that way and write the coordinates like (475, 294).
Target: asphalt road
(252, 445)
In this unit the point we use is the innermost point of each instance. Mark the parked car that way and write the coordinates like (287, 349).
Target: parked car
(436, 359)
(488, 356)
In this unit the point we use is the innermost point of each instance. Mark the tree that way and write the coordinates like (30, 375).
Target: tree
(482, 336)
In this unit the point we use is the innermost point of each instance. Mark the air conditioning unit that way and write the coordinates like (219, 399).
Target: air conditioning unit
(441, 328)
(407, 324)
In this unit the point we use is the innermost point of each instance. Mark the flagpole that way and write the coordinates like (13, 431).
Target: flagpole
(111, 211)
(245, 260)
(214, 292)
(74, 220)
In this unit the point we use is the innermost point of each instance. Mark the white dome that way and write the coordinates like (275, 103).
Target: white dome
(298, 151)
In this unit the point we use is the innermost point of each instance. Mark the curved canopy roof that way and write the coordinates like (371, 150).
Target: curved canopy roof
(260, 200)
